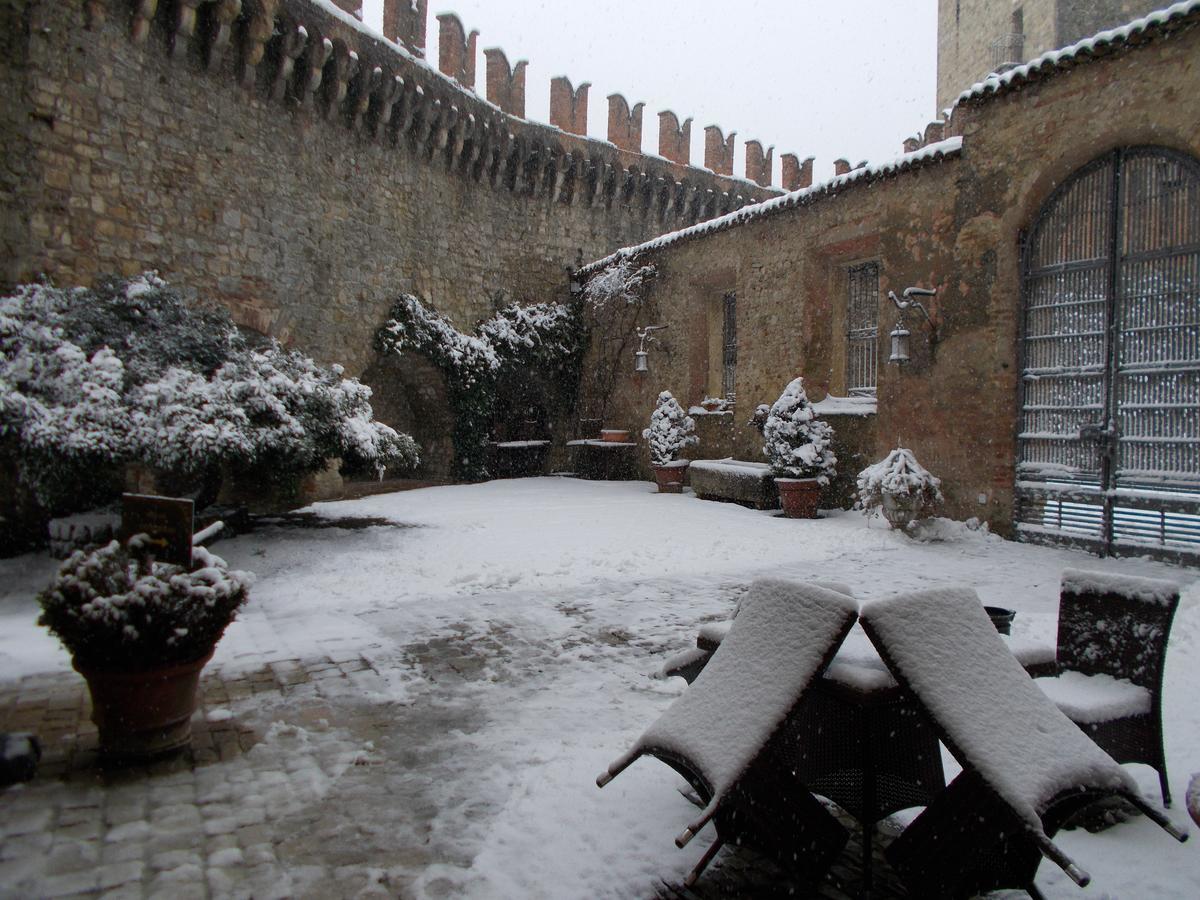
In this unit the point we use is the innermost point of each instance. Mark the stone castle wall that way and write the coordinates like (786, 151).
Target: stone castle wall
(953, 223)
(279, 158)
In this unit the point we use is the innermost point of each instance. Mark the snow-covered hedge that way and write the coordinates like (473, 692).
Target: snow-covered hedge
(671, 429)
(113, 609)
(795, 441)
(898, 475)
(517, 345)
(128, 372)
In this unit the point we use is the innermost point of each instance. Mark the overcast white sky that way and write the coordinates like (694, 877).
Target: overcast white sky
(823, 78)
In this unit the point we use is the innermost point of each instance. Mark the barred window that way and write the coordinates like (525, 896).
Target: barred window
(862, 328)
(729, 346)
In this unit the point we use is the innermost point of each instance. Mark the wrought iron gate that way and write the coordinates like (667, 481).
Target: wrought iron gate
(1108, 445)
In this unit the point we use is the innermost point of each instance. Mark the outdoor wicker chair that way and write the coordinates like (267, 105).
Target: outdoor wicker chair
(1026, 768)
(1112, 650)
(688, 664)
(719, 734)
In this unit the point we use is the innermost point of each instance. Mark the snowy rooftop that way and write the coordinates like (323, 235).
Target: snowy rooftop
(927, 155)
(1158, 23)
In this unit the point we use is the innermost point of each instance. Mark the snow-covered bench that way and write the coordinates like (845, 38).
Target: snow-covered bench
(735, 481)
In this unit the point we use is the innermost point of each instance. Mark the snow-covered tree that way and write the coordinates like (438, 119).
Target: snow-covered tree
(671, 429)
(127, 372)
(795, 441)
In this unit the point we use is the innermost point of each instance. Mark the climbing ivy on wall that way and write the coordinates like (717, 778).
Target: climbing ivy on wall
(517, 345)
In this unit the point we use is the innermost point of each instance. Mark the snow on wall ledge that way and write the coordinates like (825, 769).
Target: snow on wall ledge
(1161, 22)
(928, 155)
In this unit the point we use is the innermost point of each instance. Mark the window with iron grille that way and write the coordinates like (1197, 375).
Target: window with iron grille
(862, 328)
(729, 346)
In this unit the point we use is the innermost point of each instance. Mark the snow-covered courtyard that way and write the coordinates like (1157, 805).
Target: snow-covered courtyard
(470, 663)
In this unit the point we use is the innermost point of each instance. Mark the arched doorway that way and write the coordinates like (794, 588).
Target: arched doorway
(1108, 448)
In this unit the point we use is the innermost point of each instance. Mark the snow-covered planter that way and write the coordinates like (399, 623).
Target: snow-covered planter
(900, 486)
(139, 632)
(671, 429)
(799, 448)
(115, 609)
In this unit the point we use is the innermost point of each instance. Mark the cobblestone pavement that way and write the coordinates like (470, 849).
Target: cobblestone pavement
(290, 789)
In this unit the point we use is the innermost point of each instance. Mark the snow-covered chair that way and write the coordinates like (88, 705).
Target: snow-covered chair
(719, 734)
(1112, 650)
(689, 663)
(1026, 767)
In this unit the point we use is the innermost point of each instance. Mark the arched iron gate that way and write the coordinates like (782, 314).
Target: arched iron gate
(1108, 444)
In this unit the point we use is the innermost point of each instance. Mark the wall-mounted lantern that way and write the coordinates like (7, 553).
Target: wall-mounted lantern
(641, 359)
(900, 334)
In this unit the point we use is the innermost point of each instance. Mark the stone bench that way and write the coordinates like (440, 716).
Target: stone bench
(734, 481)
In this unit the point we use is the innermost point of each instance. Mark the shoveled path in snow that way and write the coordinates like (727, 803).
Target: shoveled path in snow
(419, 709)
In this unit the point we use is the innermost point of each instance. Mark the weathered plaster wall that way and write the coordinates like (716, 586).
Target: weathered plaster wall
(955, 226)
(289, 176)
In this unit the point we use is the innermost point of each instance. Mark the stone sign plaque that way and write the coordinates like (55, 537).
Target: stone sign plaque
(167, 520)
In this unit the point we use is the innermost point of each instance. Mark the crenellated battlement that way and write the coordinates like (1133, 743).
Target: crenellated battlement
(317, 59)
(568, 110)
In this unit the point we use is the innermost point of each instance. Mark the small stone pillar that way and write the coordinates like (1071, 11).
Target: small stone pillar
(674, 140)
(404, 23)
(912, 144)
(505, 84)
(841, 166)
(796, 175)
(624, 124)
(456, 50)
(569, 105)
(759, 164)
(934, 132)
(718, 150)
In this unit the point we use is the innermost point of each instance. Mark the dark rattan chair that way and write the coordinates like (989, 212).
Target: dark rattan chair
(1112, 650)
(1026, 768)
(723, 734)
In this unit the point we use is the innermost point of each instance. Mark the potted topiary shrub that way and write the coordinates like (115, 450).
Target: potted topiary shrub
(900, 486)
(139, 632)
(671, 429)
(798, 446)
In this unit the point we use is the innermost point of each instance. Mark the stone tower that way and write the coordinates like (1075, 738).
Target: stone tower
(977, 37)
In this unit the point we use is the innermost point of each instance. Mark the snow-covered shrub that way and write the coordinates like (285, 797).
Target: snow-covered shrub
(115, 609)
(795, 441)
(671, 429)
(128, 372)
(899, 476)
(617, 283)
(516, 347)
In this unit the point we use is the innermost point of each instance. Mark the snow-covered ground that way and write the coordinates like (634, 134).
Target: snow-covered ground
(516, 627)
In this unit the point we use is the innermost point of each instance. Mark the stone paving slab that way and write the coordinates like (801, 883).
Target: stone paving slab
(292, 788)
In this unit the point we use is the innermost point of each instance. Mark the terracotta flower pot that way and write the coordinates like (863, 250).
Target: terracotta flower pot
(614, 435)
(799, 497)
(147, 713)
(670, 477)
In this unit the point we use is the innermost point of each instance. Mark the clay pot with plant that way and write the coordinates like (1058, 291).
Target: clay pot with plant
(799, 448)
(139, 632)
(671, 429)
(900, 487)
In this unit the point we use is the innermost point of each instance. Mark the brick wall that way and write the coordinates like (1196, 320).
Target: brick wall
(254, 166)
(954, 226)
